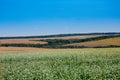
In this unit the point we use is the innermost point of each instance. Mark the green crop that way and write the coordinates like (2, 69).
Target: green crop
(62, 64)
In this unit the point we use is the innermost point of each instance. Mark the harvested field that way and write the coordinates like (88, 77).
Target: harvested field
(104, 42)
(20, 41)
(2, 49)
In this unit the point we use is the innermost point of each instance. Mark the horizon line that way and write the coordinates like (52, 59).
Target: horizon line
(57, 34)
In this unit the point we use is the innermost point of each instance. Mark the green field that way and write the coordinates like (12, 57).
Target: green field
(61, 64)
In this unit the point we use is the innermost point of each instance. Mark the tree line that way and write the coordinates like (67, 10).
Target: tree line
(62, 35)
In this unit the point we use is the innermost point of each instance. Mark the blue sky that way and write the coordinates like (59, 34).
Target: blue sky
(41, 17)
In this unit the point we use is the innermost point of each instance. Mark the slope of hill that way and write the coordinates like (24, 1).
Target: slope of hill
(98, 43)
(41, 40)
(65, 41)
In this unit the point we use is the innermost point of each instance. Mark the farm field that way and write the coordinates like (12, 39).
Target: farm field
(20, 41)
(61, 64)
(63, 41)
(31, 40)
(103, 42)
(3, 49)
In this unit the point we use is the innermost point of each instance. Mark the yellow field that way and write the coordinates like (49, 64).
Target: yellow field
(104, 42)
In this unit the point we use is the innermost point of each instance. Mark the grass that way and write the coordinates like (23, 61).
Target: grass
(62, 64)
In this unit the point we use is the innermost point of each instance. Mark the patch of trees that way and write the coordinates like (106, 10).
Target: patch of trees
(23, 45)
(52, 46)
(108, 46)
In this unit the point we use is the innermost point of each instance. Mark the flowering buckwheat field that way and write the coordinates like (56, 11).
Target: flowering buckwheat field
(61, 64)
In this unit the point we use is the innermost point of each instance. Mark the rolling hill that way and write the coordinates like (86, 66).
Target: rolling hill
(64, 40)
(99, 43)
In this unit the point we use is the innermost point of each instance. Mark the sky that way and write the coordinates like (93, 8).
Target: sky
(45, 17)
